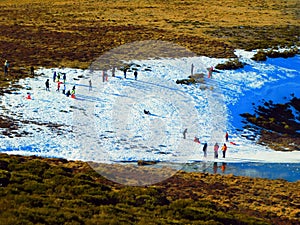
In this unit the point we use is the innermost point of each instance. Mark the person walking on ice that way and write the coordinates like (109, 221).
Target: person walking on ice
(224, 149)
(58, 77)
(113, 72)
(68, 93)
(47, 85)
(64, 77)
(205, 149)
(64, 89)
(90, 85)
(135, 75)
(73, 92)
(184, 133)
(125, 71)
(104, 76)
(54, 76)
(226, 136)
(216, 149)
(210, 71)
(58, 85)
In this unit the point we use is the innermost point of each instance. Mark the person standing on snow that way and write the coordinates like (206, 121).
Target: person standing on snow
(216, 149)
(58, 86)
(135, 75)
(47, 85)
(54, 76)
(205, 149)
(113, 71)
(125, 71)
(73, 91)
(64, 77)
(226, 136)
(64, 89)
(90, 85)
(224, 149)
(192, 69)
(104, 76)
(210, 71)
(184, 133)
(58, 77)
(68, 93)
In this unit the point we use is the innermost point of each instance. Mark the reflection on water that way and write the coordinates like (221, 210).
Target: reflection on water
(286, 171)
(221, 167)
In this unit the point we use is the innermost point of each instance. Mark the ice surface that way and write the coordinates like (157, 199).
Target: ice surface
(107, 124)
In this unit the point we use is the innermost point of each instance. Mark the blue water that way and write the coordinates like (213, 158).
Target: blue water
(279, 90)
(286, 171)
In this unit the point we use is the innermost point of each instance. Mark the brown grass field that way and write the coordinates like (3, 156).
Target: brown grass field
(73, 33)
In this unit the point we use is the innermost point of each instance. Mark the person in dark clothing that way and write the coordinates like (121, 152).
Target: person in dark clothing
(135, 75)
(125, 71)
(68, 93)
(64, 77)
(54, 76)
(64, 89)
(113, 71)
(146, 112)
(6, 65)
(184, 133)
(205, 149)
(90, 85)
(32, 70)
(47, 85)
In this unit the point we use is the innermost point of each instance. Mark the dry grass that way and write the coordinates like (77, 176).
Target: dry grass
(59, 32)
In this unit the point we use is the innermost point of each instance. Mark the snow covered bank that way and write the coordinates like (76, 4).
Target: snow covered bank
(107, 124)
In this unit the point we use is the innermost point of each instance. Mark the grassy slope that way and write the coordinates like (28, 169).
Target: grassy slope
(55, 191)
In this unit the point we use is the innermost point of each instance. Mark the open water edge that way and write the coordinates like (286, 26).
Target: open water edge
(286, 171)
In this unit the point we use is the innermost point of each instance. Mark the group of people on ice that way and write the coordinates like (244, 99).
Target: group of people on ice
(216, 146)
(59, 79)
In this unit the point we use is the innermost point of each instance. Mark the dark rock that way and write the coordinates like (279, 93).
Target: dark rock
(3, 165)
(145, 163)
